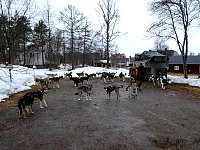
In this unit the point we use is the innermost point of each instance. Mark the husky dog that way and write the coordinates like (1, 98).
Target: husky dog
(132, 88)
(39, 94)
(25, 105)
(107, 75)
(112, 88)
(84, 88)
(80, 74)
(85, 78)
(56, 80)
(153, 79)
(164, 82)
(122, 76)
(76, 80)
(69, 75)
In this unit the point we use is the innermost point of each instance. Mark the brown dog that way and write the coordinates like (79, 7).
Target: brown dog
(132, 88)
(112, 88)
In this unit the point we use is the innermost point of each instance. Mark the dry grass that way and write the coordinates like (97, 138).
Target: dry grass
(186, 89)
(12, 100)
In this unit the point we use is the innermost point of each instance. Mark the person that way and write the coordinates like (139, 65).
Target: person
(135, 72)
(141, 71)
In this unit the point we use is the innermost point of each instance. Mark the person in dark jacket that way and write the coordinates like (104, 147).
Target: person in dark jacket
(141, 71)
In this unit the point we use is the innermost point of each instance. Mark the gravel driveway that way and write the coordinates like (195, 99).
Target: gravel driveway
(156, 119)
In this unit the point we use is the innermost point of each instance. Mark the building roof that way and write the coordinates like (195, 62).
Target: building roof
(190, 60)
(152, 53)
(147, 55)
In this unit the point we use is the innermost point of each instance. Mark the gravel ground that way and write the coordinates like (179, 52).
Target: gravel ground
(156, 119)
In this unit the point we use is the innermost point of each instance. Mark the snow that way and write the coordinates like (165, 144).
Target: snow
(22, 78)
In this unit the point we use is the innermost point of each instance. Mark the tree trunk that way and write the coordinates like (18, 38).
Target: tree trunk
(24, 49)
(42, 55)
(185, 67)
(107, 45)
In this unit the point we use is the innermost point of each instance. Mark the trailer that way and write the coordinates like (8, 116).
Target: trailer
(154, 63)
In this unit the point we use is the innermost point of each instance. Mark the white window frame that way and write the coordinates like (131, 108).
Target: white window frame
(176, 68)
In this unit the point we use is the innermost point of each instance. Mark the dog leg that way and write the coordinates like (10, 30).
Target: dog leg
(86, 97)
(79, 96)
(118, 95)
(41, 105)
(30, 110)
(27, 109)
(134, 94)
(20, 112)
(58, 86)
(108, 96)
(45, 104)
(25, 113)
(104, 80)
(136, 91)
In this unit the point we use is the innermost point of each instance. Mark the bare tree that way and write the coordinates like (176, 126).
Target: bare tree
(175, 18)
(88, 38)
(57, 44)
(111, 18)
(48, 18)
(72, 20)
(160, 45)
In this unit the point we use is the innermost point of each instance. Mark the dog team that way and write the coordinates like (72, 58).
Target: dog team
(25, 103)
(106, 77)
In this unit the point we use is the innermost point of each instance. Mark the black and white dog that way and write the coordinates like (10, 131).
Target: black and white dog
(122, 76)
(76, 80)
(161, 80)
(164, 82)
(153, 79)
(107, 75)
(26, 102)
(25, 105)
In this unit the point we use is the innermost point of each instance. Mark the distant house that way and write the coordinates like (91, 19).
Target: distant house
(176, 64)
(168, 52)
(118, 60)
(101, 63)
(33, 55)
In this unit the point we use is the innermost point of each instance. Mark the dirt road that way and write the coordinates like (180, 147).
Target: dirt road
(156, 119)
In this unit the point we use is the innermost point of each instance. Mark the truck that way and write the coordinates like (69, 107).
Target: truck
(155, 63)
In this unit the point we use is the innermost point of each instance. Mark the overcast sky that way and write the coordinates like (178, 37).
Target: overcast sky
(134, 20)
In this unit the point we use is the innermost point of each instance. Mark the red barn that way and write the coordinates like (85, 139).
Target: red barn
(176, 64)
